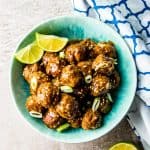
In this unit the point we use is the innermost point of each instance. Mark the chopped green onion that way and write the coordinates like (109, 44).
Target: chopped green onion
(34, 83)
(96, 104)
(62, 55)
(108, 85)
(35, 114)
(114, 60)
(100, 65)
(66, 89)
(88, 79)
(109, 97)
(63, 127)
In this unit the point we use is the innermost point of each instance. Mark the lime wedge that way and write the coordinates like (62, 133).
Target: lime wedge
(123, 146)
(51, 43)
(30, 54)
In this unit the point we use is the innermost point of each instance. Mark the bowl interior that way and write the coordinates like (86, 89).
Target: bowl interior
(79, 28)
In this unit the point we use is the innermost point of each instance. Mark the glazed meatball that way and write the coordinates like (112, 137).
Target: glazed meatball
(105, 48)
(86, 103)
(75, 123)
(68, 107)
(85, 67)
(56, 95)
(100, 85)
(75, 53)
(81, 92)
(28, 70)
(45, 94)
(89, 44)
(36, 78)
(52, 119)
(56, 82)
(47, 57)
(53, 64)
(115, 80)
(56, 91)
(91, 120)
(105, 104)
(70, 76)
(33, 105)
(104, 65)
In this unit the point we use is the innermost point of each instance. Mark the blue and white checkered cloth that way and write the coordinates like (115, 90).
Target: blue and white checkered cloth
(131, 19)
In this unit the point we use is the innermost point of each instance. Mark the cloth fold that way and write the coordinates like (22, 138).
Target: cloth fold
(131, 19)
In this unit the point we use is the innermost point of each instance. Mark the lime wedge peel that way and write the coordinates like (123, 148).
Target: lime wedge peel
(51, 43)
(123, 146)
(30, 54)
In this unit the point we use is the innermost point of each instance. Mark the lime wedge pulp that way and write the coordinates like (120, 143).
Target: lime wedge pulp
(51, 43)
(30, 54)
(123, 146)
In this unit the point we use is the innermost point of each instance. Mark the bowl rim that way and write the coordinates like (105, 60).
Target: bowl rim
(13, 94)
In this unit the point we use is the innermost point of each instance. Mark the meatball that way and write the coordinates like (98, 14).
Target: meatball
(85, 67)
(105, 104)
(70, 76)
(33, 105)
(56, 91)
(47, 57)
(56, 82)
(105, 48)
(89, 44)
(68, 107)
(28, 70)
(45, 94)
(91, 120)
(115, 80)
(52, 119)
(75, 53)
(53, 64)
(81, 92)
(56, 95)
(36, 78)
(100, 85)
(75, 123)
(104, 65)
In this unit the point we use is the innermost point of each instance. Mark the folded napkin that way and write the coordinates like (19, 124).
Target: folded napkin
(131, 19)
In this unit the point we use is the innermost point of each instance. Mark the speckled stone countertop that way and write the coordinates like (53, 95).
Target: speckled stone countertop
(16, 18)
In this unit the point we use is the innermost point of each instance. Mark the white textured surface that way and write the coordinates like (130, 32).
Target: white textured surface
(16, 18)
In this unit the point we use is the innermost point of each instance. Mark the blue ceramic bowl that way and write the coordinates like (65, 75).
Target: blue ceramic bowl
(74, 27)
